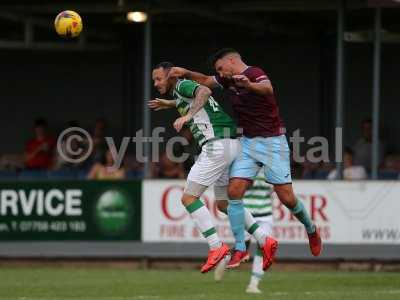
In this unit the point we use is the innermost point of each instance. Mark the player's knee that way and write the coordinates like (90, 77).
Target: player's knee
(187, 199)
(236, 191)
(222, 205)
(184, 201)
(286, 195)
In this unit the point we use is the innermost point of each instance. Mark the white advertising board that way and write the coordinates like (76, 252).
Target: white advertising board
(346, 212)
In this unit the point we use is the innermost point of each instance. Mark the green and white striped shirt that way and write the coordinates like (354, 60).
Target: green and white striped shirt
(258, 198)
(208, 123)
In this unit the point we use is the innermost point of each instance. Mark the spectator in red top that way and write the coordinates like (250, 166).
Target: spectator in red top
(39, 151)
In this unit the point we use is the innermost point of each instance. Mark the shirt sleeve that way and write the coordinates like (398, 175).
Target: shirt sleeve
(257, 75)
(187, 88)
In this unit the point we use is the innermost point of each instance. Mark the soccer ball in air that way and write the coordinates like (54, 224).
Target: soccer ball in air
(68, 24)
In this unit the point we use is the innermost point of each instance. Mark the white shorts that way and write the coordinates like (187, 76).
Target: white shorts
(266, 223)
(212, 165)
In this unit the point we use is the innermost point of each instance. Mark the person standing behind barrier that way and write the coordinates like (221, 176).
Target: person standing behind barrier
(39, 151)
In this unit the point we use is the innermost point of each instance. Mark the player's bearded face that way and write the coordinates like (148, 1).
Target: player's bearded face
(224, 68)
(161, 82)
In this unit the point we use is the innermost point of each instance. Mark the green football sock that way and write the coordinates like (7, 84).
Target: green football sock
(302, 215)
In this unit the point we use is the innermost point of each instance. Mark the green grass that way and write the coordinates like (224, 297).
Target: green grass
(121, 284)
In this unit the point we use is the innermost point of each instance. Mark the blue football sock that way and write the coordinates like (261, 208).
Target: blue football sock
(236, 219)
(302, 215)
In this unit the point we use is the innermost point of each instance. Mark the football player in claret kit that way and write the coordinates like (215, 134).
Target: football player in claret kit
(263, 144)
(215, 132)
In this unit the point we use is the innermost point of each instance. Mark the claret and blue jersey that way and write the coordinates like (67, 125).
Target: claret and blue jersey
(263, 141)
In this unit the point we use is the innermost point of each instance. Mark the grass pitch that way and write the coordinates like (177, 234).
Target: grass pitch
(122, 284)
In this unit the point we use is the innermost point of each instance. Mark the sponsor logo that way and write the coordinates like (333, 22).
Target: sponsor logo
(54, 202)
(173, 210)
(113, 212)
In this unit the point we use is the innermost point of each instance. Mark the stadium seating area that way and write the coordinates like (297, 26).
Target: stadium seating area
(6, 175)
(15, 167)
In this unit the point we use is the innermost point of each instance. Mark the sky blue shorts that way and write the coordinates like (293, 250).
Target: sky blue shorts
(272, 152)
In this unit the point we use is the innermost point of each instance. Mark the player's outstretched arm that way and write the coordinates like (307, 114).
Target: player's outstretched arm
(159, 104)
(201, 78)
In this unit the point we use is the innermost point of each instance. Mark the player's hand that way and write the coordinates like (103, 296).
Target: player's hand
(241, 80)
(178, 124)
(177, 72)
(158, 104)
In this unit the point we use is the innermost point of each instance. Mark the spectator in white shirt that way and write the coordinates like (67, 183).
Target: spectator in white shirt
(350, 171)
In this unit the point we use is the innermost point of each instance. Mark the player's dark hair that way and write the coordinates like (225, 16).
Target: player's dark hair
(220, 54)
(166, 65)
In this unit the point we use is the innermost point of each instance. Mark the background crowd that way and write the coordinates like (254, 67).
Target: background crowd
(41, 159)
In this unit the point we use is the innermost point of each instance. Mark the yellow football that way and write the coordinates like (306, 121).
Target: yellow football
(68, 24)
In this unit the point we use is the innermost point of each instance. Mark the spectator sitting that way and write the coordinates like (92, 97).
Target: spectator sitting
(391, 163)
(390, 169)
(363, 147)
(70, 151)
(166, 168)
(350, 171)
(105, 170)
(314, 166)
(39, 151)
(13, 161)
(133, 166)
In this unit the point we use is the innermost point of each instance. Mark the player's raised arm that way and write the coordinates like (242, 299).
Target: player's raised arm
(159, 104)
(201, 78)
